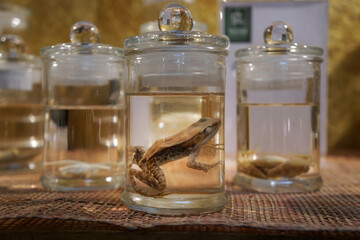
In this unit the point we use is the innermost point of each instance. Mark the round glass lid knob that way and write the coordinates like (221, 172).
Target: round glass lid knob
(12, 45)
(277, 33)
(175, 17)
(84, 32)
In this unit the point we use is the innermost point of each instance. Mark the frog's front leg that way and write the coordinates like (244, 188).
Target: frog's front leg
(192, 163)
(153, 176)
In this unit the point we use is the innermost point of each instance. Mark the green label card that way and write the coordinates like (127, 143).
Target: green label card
(238, 23)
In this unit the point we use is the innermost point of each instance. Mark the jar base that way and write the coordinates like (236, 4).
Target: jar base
(66, 184)
(19, 168)
(19, 161)
(175, 204)
(304, 184)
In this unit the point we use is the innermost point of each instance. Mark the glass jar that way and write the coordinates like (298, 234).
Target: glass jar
(175, 127)
(85, 113)
(278, 114)
(21, 109)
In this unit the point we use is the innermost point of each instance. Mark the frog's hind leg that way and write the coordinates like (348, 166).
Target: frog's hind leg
(192, 163)
(153, 177)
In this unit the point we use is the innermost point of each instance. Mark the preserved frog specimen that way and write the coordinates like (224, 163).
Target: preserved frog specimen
(187, 142)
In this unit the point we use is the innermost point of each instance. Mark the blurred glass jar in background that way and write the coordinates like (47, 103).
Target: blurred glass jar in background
(278, 114)
(12, 17)
(21, 109)
(85, 113)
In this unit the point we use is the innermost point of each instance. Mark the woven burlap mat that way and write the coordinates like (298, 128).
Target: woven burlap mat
(335, 208)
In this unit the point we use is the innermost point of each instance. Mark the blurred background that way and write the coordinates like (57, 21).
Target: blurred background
(48, 23)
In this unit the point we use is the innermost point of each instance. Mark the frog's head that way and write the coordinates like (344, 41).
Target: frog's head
(206, 129)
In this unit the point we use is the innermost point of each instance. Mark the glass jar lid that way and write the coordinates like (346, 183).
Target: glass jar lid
(278, 39)
(12, 50)
(18, 71)
(175, 23)
(84, 37)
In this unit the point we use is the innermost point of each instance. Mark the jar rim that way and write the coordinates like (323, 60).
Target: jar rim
(80, 48)
(173, 39)
(280, 49)
(22, 59)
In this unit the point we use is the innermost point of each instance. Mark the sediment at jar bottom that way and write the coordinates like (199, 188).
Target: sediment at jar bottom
(274, 167)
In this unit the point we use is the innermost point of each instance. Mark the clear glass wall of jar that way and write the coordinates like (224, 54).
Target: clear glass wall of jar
(175, 124)
(278, 114)
(21, 109)
(85, 113)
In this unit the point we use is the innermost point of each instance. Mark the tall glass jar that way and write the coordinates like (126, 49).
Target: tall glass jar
(85, 113)
(21, 111)
(175, 124)
(278, 114)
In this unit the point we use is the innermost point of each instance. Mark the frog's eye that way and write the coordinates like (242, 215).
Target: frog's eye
(208, 130)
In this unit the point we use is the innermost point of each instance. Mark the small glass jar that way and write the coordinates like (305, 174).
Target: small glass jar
(175, 127)
(21, 109)
(278, 114)
(85, 113)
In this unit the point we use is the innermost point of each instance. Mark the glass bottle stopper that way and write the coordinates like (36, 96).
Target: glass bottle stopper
(12, 45)
(277, 33)
(84, 32)
(175, 17)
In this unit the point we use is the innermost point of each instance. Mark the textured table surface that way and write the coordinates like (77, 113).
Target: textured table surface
(27, 211)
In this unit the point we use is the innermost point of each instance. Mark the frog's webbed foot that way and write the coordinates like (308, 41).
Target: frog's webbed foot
(154, 178)
(138, 153)
(192, 163)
